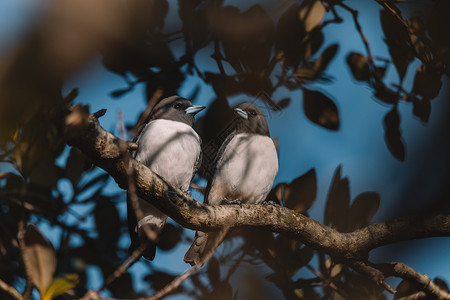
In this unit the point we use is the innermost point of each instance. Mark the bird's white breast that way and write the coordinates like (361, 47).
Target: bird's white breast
(246, 170)
(170, 149)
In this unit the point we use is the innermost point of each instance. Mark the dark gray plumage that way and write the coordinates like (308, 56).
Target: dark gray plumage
(243, 171)
(170, 147)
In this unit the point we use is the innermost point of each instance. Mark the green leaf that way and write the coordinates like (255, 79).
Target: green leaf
(61, 285)
(39, 258)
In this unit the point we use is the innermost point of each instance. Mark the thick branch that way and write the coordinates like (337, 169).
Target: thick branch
(103, 149)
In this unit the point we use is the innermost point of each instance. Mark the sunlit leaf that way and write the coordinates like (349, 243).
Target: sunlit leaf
(393, 135)
(320, 109)
(61, 285)
(311, 13)
(39, 258)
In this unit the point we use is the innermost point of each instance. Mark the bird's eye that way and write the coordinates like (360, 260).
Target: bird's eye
(177, 106)
(253, 113)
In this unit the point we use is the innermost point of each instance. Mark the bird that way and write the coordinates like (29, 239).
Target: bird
(243, 171)
(170, 147)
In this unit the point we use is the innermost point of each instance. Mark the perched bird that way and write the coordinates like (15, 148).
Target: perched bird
(243, 172)
(170, 147)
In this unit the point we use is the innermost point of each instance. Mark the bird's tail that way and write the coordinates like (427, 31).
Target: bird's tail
(153, 218)
(203, 246)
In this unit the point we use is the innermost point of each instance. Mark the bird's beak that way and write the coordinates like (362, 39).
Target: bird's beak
(194, 109)
(241, 113)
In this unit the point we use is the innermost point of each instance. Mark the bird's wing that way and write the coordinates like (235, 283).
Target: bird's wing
(198, 162)
(215, 162)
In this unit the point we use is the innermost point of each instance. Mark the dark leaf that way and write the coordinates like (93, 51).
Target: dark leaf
(282, 104)
(359, 65)
(422, 109)
(441, 284)
(170, 237)
(159, 279)
(74, 165)
(363, 209)
(385, 94)
(405, 289)
(304, 255)
(398, 40)
(427, 82)
(213, 271)
(222, 291)
(338, 200)
(120, 92)
(301, 192)
(438, 24)
(320, 109)
(107, 222)
(72, 95)
(324, 59)
(39, 258)
(281, 192)
(393, 135)
(102, 178)
(312, 44)
(289, 35)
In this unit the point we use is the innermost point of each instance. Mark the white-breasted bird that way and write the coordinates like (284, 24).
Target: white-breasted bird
(243, 172)
(170, 147)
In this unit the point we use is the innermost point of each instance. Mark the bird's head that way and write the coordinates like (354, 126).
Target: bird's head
(250, 119)
(176, 108)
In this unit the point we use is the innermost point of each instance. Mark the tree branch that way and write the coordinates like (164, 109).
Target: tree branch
(103, 149)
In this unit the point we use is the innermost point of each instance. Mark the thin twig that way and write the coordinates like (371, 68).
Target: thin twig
(178, 280)
(392, 11)
(125, 266)
(29, 283)
(361, 34)
(421, 280)
(10, 290)
(151, 234)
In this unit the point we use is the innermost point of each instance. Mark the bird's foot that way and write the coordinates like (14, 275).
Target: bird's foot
(187, 193)
(271, 202)
(225, 201)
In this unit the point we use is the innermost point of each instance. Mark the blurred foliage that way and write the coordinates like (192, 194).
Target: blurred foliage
(253, 52)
